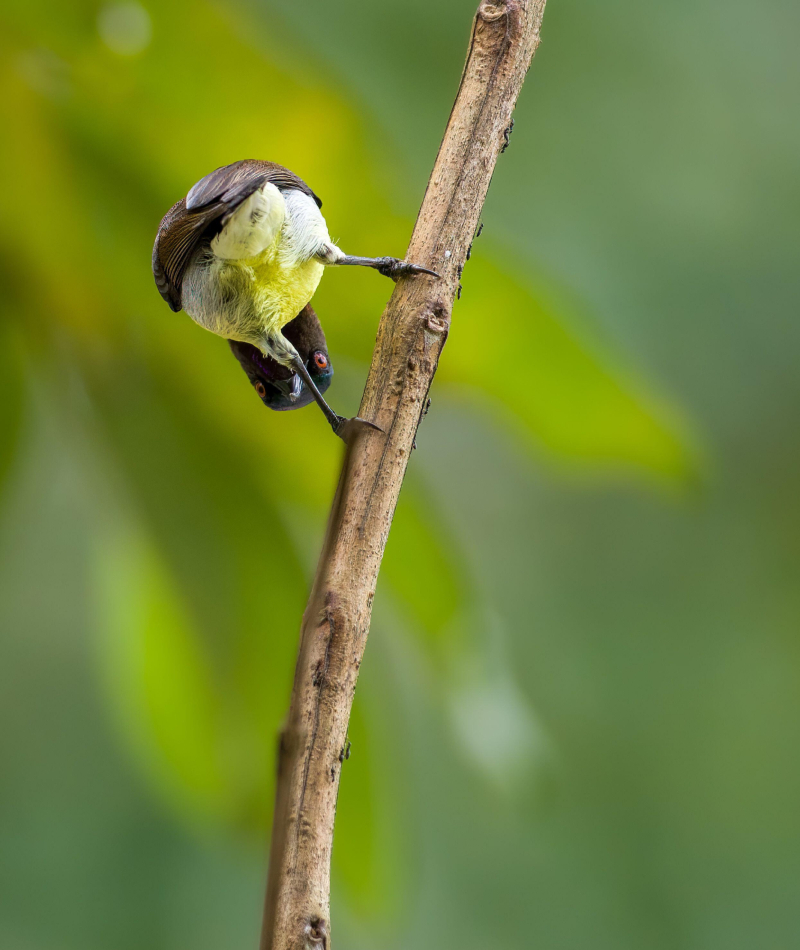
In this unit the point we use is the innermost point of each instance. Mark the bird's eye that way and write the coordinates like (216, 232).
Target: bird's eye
(261, 389)
(320, 361)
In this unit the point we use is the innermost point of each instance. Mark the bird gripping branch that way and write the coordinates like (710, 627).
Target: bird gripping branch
(243, 253)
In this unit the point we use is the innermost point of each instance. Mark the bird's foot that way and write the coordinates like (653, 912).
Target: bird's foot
(349, 429)
(395, 269)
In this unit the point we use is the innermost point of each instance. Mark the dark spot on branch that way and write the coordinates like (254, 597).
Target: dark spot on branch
(469, 249)
(492, 11)
(437, 321)
(316, 932)
(507, 136)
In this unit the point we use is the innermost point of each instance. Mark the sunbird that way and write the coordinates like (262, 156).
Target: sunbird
(243, 254)
(278, 386)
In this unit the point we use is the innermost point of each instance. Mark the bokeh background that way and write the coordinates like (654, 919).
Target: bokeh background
(578, 719)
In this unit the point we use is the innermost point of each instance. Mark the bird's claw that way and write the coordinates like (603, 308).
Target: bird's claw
(348, 429)
(395, 269)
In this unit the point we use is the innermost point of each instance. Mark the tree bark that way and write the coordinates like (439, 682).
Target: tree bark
(411, 334)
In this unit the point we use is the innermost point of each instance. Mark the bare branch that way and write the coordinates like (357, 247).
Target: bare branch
(411, 335)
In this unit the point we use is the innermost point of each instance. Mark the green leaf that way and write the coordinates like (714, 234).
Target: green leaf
(369, 860)
(530, 364)
(422, 567)
(158, 678)
(12, 397)
(230, 560)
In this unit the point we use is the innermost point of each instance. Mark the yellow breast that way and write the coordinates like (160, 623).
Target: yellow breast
(282, 289)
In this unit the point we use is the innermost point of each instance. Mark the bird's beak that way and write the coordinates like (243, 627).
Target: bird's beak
(291, 388)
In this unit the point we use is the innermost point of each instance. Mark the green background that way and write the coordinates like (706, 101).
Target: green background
(577, 720)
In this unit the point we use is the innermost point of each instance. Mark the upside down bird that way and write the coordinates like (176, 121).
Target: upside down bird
(243, 254)
(277, 386)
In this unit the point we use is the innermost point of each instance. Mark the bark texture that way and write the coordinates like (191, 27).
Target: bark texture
(412, 332)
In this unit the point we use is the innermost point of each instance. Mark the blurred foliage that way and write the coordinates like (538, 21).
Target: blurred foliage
(573, 715)
(12, 388)
(100, 137)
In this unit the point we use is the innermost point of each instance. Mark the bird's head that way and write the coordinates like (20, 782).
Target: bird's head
(276, 385)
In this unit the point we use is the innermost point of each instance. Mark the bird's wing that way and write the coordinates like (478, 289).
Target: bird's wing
(231, 184)
(178, 235)
(204, 210)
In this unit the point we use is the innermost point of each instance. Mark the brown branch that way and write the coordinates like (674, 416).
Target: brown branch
(411, 335)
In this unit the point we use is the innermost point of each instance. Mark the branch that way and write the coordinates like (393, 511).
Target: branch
(412, 332)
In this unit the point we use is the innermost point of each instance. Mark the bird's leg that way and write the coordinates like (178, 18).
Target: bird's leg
(388, 266)
(343, 427)
(336, 421)
(283, 351)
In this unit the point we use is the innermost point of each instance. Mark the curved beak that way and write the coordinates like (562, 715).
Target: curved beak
(291, 388)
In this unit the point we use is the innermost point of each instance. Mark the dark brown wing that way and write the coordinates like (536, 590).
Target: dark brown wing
(231, 184)
(204, 210)
(178, 235)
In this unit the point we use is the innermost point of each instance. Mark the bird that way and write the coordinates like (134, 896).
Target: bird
(277, 386)
(244, 252)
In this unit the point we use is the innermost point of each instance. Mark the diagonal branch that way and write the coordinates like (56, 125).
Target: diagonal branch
(412, 332)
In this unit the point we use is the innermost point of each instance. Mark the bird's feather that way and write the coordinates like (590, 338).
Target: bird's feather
(233, 183)
(199, 216)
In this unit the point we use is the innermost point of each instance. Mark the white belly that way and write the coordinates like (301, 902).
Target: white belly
(261, 269)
